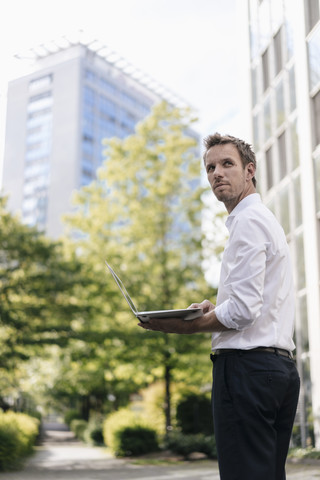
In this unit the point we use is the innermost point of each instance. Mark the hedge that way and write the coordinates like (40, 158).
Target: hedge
(136, 440)
(79, 427)
(183, 444)
(194, 414)
(125, 433)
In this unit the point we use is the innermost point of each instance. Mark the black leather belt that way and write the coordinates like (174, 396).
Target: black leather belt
(277, 351)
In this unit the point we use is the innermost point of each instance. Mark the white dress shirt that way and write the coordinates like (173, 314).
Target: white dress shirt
(256, 293)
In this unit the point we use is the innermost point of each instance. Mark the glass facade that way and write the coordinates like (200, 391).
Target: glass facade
(312, 14)
(74, 98)
(110, 106)
(316, 115)
(276, 134)
(313, 58)
(317, 181)
(109, 110)
(37, 152)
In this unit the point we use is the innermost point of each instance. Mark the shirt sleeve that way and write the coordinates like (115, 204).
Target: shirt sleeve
(243, 282)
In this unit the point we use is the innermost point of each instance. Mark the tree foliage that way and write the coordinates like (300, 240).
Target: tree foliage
(143, 215)
(39, 301)
(61, 312)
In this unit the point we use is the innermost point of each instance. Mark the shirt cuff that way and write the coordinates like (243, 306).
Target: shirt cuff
(224, 317)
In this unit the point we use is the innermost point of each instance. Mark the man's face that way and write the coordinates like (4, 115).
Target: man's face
(229, 180)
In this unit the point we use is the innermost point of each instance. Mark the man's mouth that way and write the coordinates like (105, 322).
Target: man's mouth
(218, 185)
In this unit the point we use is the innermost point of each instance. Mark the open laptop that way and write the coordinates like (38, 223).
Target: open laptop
(185, 314)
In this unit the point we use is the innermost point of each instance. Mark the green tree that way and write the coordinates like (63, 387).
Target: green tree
(143, 214)
(39, 301)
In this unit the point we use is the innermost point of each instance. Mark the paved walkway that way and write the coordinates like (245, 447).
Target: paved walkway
(61, 457)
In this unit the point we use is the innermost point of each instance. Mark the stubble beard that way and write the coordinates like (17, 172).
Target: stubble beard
(229, 199)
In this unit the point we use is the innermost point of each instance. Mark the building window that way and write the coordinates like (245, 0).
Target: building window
(254, 85)
(40, 96)
(277, 13)
(265, 70)
(317, 180)
(90, 76)
(312, 13)
(297, 201)
(280, 103)
(40, 102)
(278, 65)
(267, 119)
(107, 106)
(34, 209)
(272, 207)
(38, 116)
(292, 89)
(285, 210)
(264, 22)
(41, 82)
(256, 130)
(294, 145)
(88, 144)
(316, 116)
(254, 41)
(283, 168)
(313, 57)
(300, 266)
(303, 315)
(269, 168)
(108, 86)
(89, 96)
(37, 155)
(107, 128)
(290, 20)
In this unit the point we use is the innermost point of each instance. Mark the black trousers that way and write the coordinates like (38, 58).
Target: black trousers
(254, 399)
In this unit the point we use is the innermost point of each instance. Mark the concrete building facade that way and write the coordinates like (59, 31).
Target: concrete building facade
(57, 116)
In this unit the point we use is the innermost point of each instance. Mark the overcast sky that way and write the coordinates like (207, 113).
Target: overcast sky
(195, 48)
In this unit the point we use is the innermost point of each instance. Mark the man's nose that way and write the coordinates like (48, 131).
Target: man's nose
(217, 171)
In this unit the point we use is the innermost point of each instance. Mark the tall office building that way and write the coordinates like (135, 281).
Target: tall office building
(285, 74)
(77, 94)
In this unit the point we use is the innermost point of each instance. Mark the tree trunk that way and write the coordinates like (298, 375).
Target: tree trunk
(167, 377)
(85, 407)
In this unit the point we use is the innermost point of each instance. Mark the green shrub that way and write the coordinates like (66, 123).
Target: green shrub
(35, 414)
(27, 427)
(183, 444)
(194, 414)
(9, 447)
(94, 434)
(302, 453)
(137, 440)
(118, 421)
(18, 433)
(115, 421)
(71, 415)
(79, 427)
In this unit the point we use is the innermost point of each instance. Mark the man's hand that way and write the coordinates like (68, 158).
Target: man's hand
(207, 322)
(205, 305)
(177, 325)
(170, 325)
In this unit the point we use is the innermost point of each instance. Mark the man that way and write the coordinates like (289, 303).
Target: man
(255, 381)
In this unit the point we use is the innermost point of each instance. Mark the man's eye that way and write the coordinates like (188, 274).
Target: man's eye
(210, 168)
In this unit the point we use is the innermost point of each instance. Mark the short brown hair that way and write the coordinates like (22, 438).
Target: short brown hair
(246, 153)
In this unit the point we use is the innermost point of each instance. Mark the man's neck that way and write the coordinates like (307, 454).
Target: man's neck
(234, 202)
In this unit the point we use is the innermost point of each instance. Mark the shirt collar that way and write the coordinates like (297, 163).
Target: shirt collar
(244, 203)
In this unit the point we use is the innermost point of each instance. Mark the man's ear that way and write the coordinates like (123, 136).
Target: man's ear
(251, 171)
